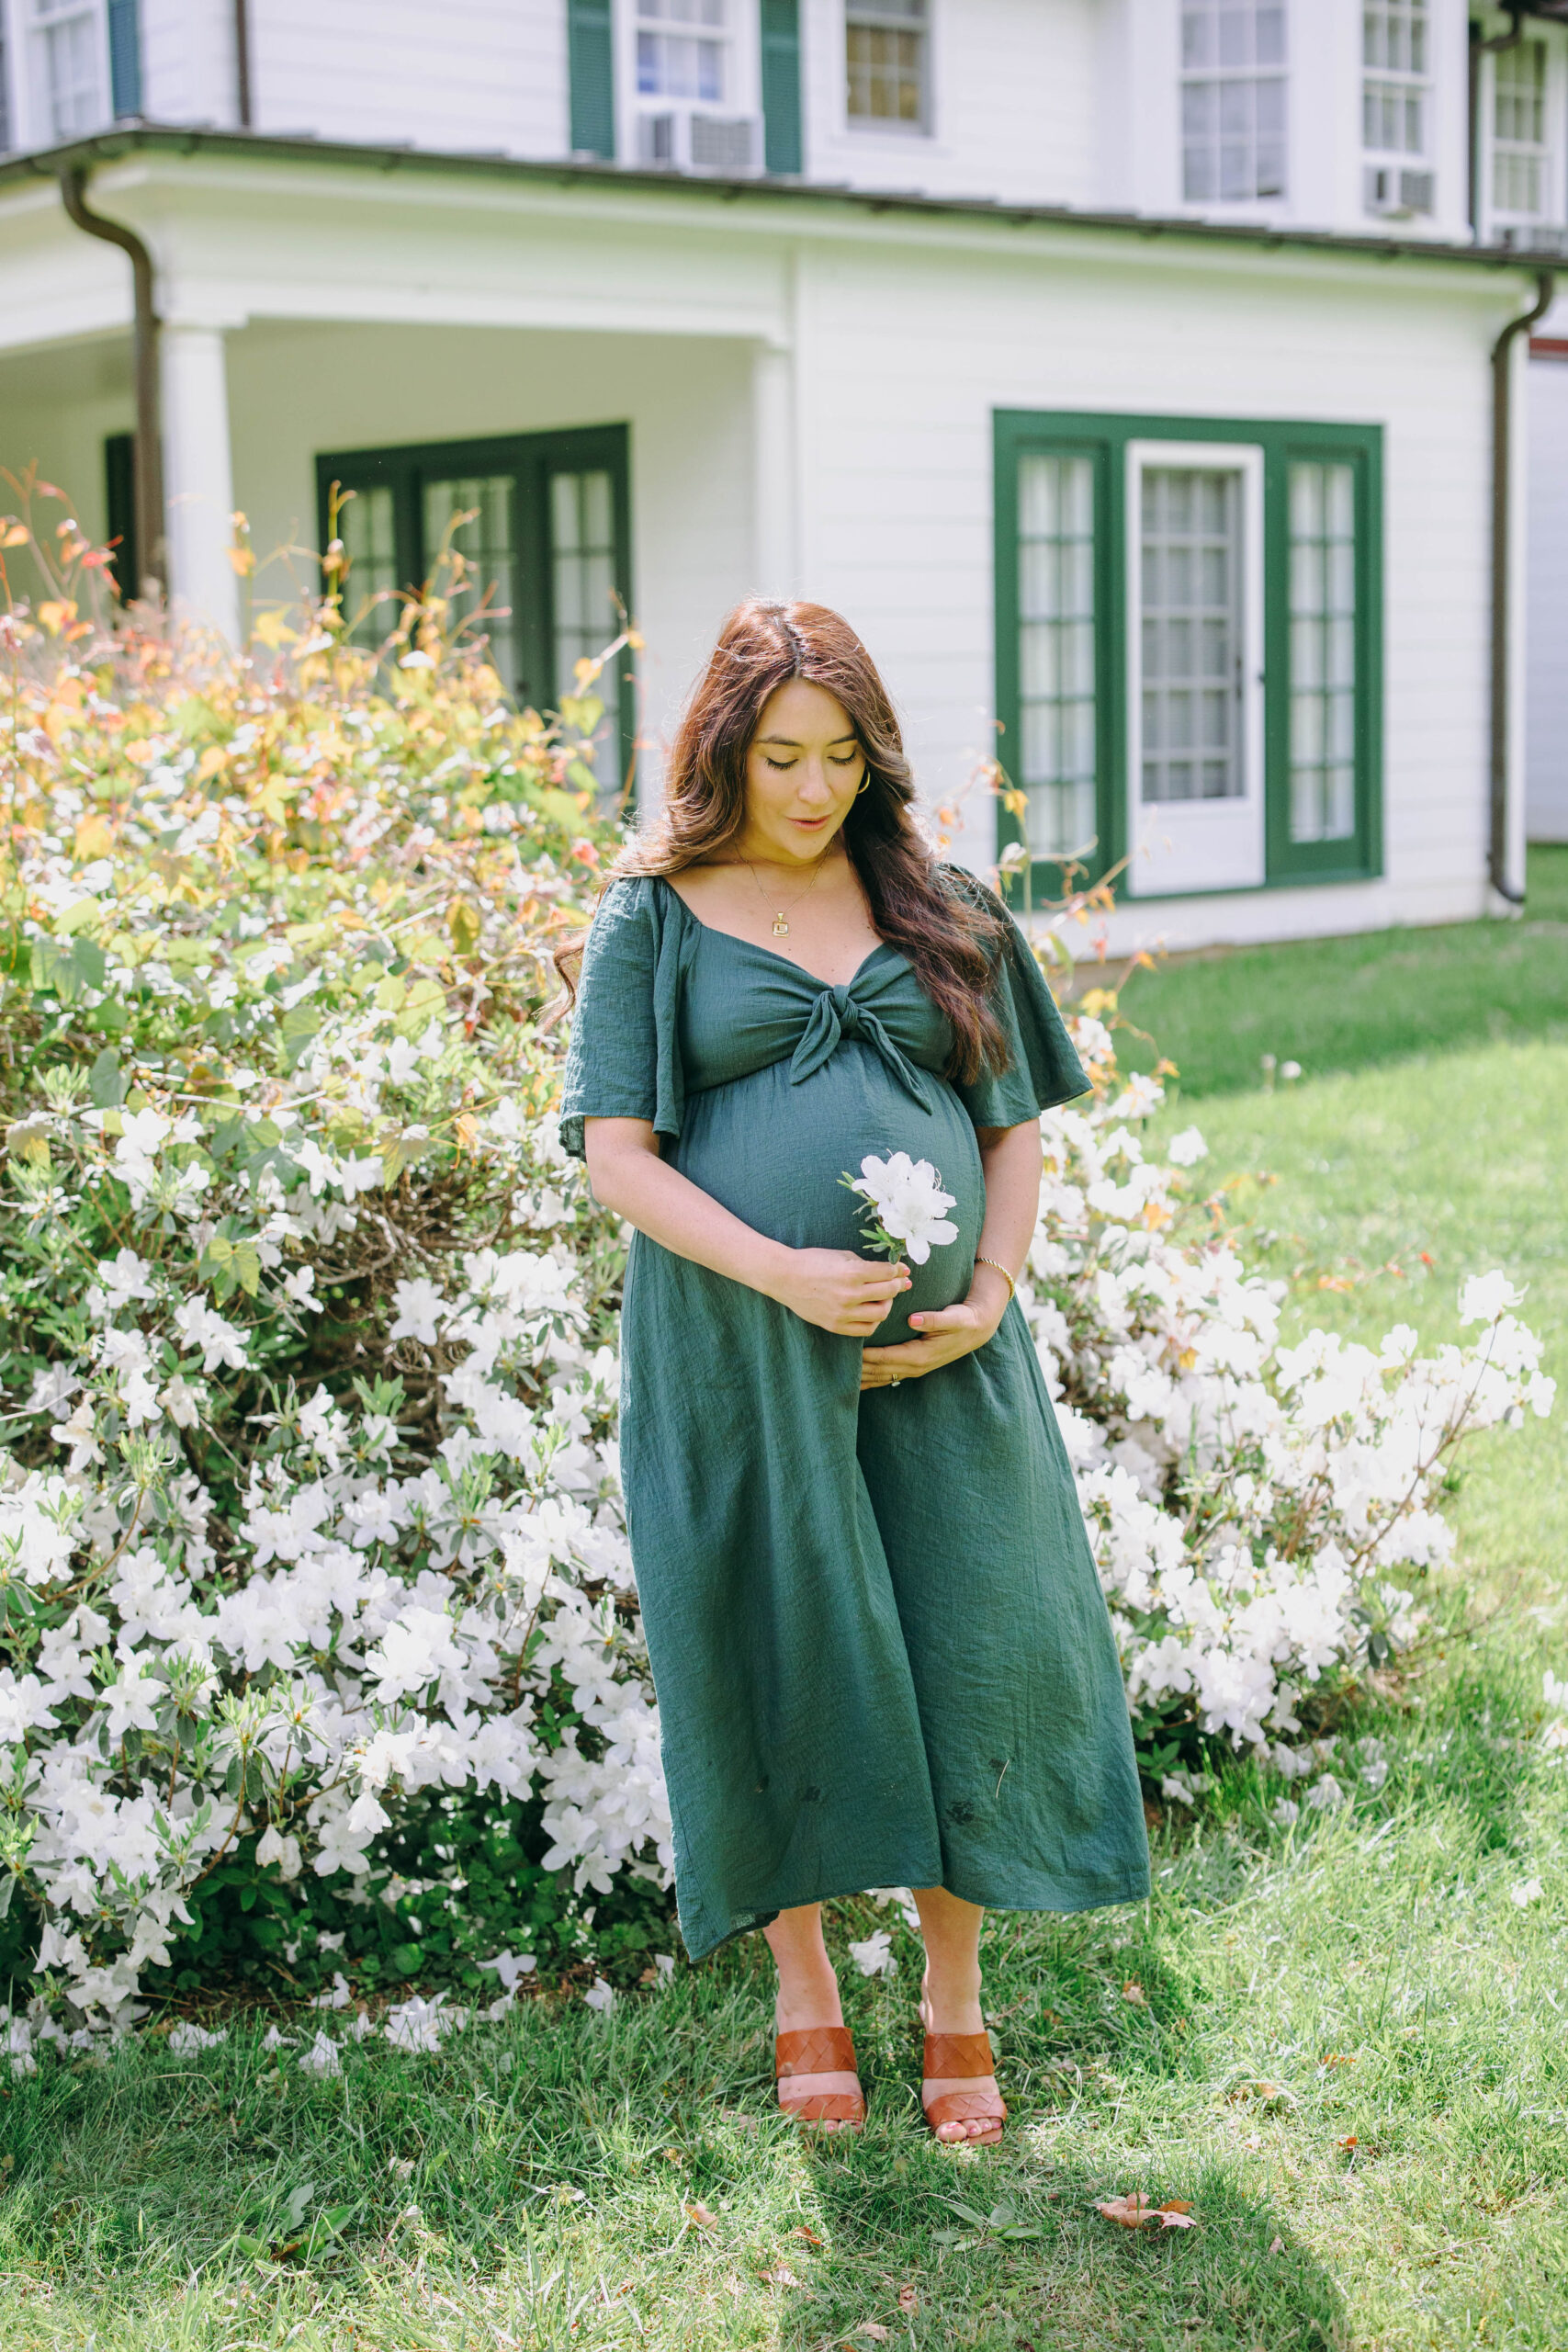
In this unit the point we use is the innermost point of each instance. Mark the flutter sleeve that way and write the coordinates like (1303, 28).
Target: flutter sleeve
(623, 1061)
(1042, 1066)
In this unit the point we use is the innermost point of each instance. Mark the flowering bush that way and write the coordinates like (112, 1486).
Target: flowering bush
(321, 1640)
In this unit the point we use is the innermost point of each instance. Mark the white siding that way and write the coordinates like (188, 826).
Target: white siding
(188, 70)
(491, 74)
(1014, 94)
(1546, 722)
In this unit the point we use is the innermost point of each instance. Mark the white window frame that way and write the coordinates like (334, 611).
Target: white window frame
(31, 122)
(1183, 846)
(1219, 77)
(1396, 163)
(866, 126)
(93, 14)
(1555, 169)
(743, 78)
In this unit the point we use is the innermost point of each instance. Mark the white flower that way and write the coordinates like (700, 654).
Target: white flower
(131, 1700)
(418, 2024)
(1186, 1149)
(907, 1197)
(202, 1327)
(874, 1956)
(1326, 1793)
(187, 2036)
(510, 1967)
(1486, 1298)
(420, 1307)
(1286, 1812)
(1529, 1891)
(321, 2057)
(599, 1996)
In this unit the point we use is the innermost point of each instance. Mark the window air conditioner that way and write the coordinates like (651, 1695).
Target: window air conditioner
(1540, 237)
(686, 138)
(1395, 194)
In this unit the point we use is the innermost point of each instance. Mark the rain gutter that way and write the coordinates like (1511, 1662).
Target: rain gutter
(1502, 558)
(147, 466)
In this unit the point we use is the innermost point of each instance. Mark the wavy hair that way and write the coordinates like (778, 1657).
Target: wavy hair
(951, 937)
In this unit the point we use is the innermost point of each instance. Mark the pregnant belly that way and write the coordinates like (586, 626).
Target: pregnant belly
(773, 1153)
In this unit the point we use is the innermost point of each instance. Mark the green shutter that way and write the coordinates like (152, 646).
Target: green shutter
(125, 57)
(590, 61)
(781, 83)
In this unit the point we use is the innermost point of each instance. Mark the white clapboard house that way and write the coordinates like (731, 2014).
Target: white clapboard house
(1148, 379)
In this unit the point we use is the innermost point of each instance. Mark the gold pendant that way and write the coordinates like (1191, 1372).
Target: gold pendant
(780, 928)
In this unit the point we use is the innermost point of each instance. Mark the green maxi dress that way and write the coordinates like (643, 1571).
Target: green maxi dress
(879, 1645)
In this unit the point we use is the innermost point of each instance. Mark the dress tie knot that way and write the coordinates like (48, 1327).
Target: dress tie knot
(837, 1013)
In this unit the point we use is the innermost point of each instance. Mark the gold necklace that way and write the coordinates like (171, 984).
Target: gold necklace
(780, 927)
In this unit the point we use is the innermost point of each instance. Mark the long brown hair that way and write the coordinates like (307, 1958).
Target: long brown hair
(951, 938)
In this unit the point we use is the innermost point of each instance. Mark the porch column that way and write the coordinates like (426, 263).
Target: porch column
(199, 482)
(775, 563)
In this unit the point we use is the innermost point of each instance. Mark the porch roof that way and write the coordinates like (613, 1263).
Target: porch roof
(131, 138)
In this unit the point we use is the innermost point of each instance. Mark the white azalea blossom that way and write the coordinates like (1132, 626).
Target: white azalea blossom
(909, 1200)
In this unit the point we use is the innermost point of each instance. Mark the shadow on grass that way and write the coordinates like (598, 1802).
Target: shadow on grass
(641, 2156)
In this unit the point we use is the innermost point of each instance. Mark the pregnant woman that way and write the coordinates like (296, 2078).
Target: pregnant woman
(880, 1649)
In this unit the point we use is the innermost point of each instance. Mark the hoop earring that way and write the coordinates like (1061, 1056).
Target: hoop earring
(863, 784)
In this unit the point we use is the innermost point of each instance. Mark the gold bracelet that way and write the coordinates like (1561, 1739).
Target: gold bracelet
(999, 1269)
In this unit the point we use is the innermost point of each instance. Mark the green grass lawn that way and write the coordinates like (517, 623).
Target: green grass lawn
(1351, 2056)
(1344, 1004)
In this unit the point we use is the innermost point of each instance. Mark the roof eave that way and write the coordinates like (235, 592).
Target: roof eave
(128, 139)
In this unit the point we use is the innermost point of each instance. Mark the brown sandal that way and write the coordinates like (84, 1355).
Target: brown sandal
(950, 2055)
(819, 2050)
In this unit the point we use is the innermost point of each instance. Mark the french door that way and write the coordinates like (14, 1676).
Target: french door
(1195, 817)
(542, 521)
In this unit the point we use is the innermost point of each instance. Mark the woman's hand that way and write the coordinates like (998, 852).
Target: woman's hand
(839, 1291)
(946, 1333)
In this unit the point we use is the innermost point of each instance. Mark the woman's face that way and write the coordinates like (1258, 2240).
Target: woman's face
(804, 767)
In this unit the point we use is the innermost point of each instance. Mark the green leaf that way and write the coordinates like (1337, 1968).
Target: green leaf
(107, 1081)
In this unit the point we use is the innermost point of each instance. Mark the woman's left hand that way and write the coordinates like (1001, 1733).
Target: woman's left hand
(947, 1333)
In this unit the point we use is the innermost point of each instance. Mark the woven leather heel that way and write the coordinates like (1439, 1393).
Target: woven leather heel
(819, 2050)
(954, 2055)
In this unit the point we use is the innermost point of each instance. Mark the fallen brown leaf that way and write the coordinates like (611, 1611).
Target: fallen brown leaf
(1350, 2140)
(874, 2329)
(1136, 1993)
(909, 2302)
(809, 2235)
(1132, 2212)
(695, 2210)
(673, 2155)
(781, 2274)
(1339, 2058)
(1265, 2093)
(1277, 2246)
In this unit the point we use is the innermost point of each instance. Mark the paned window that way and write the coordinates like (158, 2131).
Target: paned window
(680, 50)
(1394, 89)
(1233, 100)
(1057, 747)
(542, 522)
(1188, 649)
(1191, 605)
(475, 516)
(1323, 652)
(1521, 160)
(69, 46)
(885, 62)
